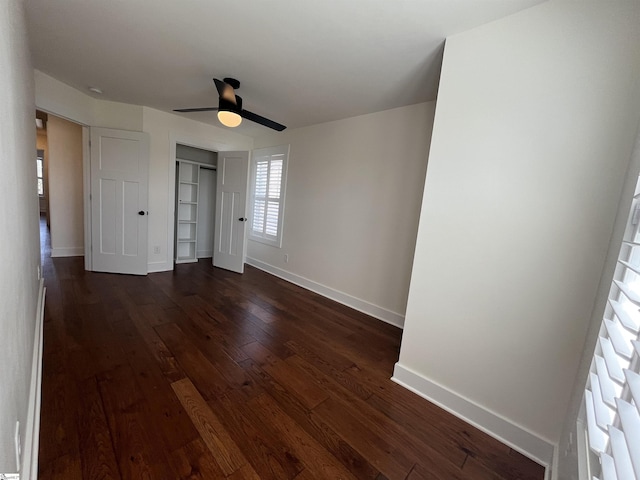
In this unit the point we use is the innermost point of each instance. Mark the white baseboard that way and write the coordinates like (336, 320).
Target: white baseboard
(67, 252)
(204, 253)
(375, 311)
(29, 468)
(500, 428)
(154, 267)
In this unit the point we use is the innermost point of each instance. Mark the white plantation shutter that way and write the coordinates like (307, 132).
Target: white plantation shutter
(268, 177)
(612, 396)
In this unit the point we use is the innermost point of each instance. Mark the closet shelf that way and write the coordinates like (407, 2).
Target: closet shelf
(187, 212)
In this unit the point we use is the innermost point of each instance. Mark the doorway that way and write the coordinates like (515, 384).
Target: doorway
(232, 175)
(195, 194)
(42, 165)
(59, 169)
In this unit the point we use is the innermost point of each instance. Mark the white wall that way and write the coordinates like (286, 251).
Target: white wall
(19, 240)
(352, 204)
(65, 187)
(64, 101)
(533, 132)
(164, 130)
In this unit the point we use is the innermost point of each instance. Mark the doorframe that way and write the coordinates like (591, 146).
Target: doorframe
(86, 195)
(174, 139)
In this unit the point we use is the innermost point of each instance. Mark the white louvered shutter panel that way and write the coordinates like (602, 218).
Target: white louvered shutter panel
(612, 395)
(267, 202)
(260, 196)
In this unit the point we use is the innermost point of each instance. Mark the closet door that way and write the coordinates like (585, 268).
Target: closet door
(232, 177)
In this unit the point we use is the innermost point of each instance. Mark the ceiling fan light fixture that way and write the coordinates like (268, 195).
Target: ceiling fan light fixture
(230, 111)
(229, 118)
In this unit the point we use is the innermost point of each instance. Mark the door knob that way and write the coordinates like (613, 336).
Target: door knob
(242, 219)
(141, 212)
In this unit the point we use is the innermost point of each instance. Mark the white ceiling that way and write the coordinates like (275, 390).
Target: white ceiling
(299, 62)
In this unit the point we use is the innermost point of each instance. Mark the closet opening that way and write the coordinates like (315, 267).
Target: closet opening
(195, 203)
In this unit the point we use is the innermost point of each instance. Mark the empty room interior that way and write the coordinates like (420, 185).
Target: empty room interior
(320, 240)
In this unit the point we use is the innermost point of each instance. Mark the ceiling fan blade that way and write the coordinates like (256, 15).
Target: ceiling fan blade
(254, 117)
(202, 109)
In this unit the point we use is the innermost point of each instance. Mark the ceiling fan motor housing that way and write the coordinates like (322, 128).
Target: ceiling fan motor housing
(225, 104)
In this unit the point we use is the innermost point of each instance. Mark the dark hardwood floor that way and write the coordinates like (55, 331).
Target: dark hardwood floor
(204, 374)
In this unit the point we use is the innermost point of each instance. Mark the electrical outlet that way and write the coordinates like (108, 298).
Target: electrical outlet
(18, 446)
(156, 249)
(286, 258)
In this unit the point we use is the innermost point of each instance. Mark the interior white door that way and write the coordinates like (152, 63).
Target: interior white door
(119, 202)
(231, 198)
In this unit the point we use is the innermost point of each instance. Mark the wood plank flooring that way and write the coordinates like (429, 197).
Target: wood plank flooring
(205, 374)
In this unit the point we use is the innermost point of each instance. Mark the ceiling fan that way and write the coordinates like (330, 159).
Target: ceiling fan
(230, 111)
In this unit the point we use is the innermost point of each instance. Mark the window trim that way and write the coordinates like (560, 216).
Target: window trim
(257, 155)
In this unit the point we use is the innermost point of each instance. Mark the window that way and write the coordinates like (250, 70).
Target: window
(612, 397)
(268, 179)
(40, 172)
